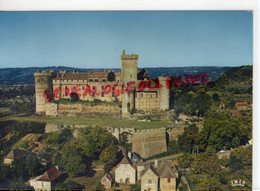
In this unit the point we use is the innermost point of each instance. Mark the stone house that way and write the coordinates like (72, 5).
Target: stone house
(15, 154)
(45, 181)
(125, 172)
(161, 175)
(168, 175)
(149, 179)
(107, 180)
(140, 167)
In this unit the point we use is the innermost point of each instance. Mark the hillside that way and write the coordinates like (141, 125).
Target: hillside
(12, 76)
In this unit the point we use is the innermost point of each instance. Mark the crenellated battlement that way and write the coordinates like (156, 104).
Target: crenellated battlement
(125, 56)
(153, 130)
(44, 73)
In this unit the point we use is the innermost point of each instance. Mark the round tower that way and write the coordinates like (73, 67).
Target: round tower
(43, 90)
(128, 74)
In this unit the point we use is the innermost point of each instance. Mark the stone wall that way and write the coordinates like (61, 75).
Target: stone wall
(149, 142)
(53, 109)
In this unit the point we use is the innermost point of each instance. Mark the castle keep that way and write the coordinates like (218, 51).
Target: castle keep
(132, 89)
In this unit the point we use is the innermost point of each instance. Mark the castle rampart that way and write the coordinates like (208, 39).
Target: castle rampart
(149, 142)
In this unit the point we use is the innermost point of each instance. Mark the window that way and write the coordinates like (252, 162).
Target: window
(90, 80)
(150, 181)
(104, 80)
(168, 180)
(96, 80)
(83, 87)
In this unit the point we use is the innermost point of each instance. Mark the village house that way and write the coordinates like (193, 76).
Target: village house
(125, 172)
(161, 176)
(15, 154)
(107, 181)
(140, 167)
(241, 106)
(45, 181)
(168, 175)
(149, 179)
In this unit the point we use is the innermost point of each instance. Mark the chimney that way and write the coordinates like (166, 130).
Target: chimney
(155, 163)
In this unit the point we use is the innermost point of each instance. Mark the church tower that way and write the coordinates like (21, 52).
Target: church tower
(128, 74)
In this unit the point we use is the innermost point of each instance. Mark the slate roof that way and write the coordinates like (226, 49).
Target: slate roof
(126, 160)
(149, 166)
(165, 169)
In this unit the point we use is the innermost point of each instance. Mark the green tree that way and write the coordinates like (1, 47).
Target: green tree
(94, 140)
(17, 183)
(204, 163)
(221, 130)
(201, 104)
(109, 157)
(69, 185)
(189, 138)
(33, 165)
(215, 97)
(71, 159)
(240, 157)
(185, 161)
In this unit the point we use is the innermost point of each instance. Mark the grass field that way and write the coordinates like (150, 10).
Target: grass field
(88, 121)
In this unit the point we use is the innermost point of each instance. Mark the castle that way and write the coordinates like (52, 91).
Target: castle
(133, 89)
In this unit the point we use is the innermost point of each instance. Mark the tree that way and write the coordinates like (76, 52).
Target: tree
(240, 157)
(204, 163)
(215, 97)
(221, 130)
(189, 138)
(94, 140)
(69, 185)
(71, 159)
(201, 104)
(185, 161)
(109, 157)
(33, 165)
(109, 154)
(17, 183)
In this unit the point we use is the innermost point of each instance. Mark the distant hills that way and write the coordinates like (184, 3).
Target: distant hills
(25, 75)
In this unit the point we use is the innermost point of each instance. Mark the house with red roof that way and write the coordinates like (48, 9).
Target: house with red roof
(46, 180)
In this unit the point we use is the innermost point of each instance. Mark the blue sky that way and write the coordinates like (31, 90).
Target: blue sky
(96, 39)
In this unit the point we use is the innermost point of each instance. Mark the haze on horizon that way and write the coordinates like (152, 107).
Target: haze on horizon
(96, 39)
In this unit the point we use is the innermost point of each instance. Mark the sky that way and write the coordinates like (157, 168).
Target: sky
(96, 39)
